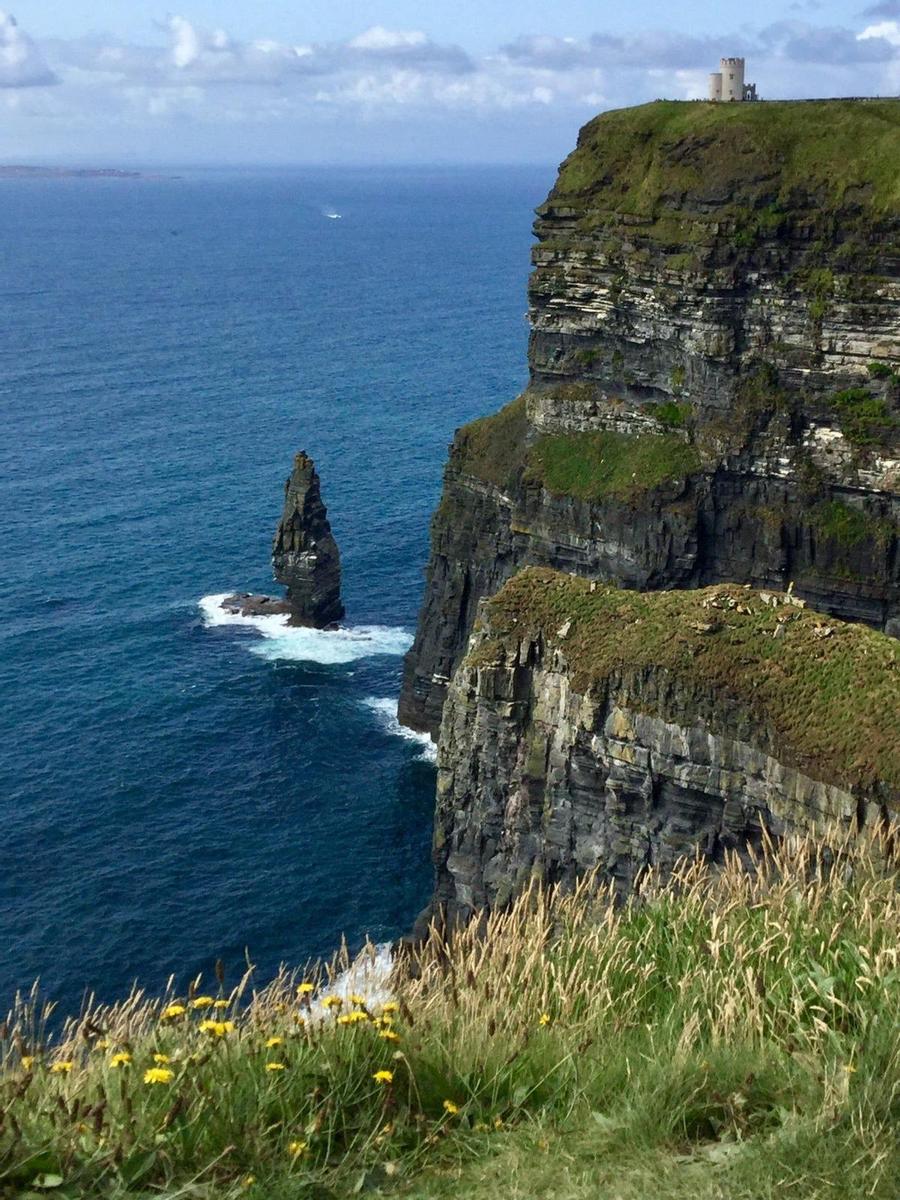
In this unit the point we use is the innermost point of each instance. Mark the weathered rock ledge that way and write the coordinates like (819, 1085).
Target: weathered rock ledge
(589, 727)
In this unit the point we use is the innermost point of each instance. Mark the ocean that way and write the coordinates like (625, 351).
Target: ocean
(174, 787)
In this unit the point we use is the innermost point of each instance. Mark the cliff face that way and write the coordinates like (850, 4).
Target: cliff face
(305, 556)
(714, 389)
(593, 728)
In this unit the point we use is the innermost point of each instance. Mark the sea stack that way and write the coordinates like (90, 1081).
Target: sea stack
(305, 556)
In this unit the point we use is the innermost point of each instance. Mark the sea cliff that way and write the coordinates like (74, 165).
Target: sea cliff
(714, 391)
(590, 727)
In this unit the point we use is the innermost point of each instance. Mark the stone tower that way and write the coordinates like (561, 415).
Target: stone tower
(728, 82)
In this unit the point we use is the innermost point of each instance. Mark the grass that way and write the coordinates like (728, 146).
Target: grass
(864, 418)
(848, 526)
(595, 466)
(728, 1034)
(758, 155)
(825, 693)
(493, 448)
(592, 466)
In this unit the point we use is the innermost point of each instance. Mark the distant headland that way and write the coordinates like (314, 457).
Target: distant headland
(17, 171)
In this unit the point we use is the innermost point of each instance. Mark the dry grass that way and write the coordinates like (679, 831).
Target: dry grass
(727, 1031)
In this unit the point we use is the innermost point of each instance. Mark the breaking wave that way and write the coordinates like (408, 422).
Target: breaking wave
(385, 710)
(278, 640)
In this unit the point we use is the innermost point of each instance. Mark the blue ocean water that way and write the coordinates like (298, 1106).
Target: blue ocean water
(171, 789)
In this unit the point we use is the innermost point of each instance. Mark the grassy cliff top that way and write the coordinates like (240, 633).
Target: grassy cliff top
(693, 153)
(829, 701)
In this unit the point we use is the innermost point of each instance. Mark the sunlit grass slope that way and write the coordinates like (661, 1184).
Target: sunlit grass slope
(728, 1035)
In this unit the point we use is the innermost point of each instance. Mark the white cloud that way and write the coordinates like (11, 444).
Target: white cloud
(21, 64)
(206, 77)
(889, 31)
(379, 38)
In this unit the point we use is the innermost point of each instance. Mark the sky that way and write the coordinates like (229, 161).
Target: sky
(229, 82)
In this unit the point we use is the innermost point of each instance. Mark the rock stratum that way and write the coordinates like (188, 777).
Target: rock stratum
(714, 392)
(305, 557)
(595, 728)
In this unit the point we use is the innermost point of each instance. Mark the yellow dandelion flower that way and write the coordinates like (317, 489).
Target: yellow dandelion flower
(451, 1108)
(62, 1068)
(27, 1061)
(275, 1066)
(355, 998)
(391, 1007)
(173, 1011)
(158, 1075)
(389, 1035)
(306, 989)
(161, 1059)
(344, 1019)
(274, 1041)
(202, 1002)
(332, 1002)
(221, 1003)
(297, 1148)
(383, 1076)
(498, 1122)
(544, 1019)
(218, 1028)
(122, 1059)
(248, 1181)
(298, 1020)
(357, 1016)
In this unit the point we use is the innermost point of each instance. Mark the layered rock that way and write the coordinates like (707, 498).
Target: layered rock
(714, 361)
(305, 557)
(592, 728)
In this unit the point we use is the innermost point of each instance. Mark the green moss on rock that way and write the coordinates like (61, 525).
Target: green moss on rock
(493, 448)
(590, 466)
(597, 466)
(848, 526)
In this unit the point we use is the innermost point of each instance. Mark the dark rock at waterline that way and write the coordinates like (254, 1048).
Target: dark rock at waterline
(248, 605)
(305, 556)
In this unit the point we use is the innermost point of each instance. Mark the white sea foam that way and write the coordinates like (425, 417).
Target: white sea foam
(368, 975)
(278, 640)
(385, 710)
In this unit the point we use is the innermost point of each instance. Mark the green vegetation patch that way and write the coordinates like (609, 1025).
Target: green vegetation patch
(591, 466)
(827, 692)
(493, 448)
(865, 419)
(598, 466)
(674, 414)
(756, 155)
(849, 526)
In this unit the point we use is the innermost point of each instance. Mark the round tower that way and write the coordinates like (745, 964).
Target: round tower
(715, 85)
(732, 71)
